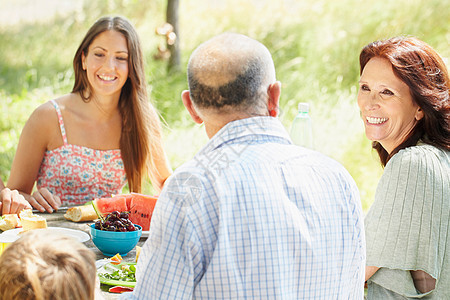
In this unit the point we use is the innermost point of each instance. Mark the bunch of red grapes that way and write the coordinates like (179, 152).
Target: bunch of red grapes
(115, 221)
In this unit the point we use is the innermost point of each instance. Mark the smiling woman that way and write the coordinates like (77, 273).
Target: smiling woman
(106, 63)
(89, 143)
(386, 104)
(404, 101)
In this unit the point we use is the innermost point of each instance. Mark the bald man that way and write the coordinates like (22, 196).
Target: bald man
(251, 216)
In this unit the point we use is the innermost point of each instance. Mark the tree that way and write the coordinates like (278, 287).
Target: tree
(173, 39)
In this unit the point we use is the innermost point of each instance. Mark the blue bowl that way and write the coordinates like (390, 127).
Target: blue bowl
(112, 242)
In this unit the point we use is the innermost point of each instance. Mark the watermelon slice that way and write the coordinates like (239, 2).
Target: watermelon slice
(139, 206)
(108, 205)
(141, 209)
(128, 198)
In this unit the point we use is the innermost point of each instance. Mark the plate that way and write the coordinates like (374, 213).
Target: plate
(110, 268)
(145, 234)
(11, 235)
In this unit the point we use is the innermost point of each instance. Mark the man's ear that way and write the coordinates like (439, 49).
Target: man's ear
(274, 92)
(185, 96)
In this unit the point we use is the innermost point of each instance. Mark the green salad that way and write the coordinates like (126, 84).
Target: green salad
(123, 274)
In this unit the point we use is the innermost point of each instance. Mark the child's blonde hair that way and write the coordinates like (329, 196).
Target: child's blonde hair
(40, 265)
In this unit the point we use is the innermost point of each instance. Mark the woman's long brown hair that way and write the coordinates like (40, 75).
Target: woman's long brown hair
(141, 129)
(423, 70)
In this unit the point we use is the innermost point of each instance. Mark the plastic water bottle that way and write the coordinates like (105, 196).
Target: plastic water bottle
(301, 129)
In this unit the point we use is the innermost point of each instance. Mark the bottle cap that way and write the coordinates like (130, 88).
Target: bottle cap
(303, 107)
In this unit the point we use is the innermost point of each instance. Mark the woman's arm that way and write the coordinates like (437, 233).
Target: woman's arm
(423, 281)
(159, 169)
(370, 270)
(158, 165)
(33, 143)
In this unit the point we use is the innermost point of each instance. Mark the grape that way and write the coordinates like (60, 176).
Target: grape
(116, 221)
(118, 224)
(111, 218)
(98, 224)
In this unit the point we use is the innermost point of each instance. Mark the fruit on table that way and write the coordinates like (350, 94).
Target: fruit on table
(139, 206)
(108, 205)
(115, 221)
(116, 259)
(141, 209)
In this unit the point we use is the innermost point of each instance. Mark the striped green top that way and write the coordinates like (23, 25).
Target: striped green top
(407, 227)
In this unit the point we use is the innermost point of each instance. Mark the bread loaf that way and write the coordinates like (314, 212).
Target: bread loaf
(31, 221)
(9, 221)
(81, 213)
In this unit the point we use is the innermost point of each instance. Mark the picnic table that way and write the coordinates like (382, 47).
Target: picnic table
(57, 219)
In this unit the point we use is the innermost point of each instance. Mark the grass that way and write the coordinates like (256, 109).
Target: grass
(315, 47)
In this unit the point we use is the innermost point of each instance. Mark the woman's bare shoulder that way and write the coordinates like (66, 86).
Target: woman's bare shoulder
(40, 126)
(43, 114)
(46, 112)
(45, 118)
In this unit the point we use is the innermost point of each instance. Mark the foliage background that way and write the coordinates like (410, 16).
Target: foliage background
(315, 46)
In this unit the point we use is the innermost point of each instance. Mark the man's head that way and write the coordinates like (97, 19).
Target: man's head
(231, 77)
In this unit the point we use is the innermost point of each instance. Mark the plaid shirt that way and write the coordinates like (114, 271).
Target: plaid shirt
(253, 216)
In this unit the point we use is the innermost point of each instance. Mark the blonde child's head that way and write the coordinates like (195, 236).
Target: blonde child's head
(46, 266)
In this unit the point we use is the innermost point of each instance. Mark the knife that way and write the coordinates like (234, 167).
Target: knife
(60, 209)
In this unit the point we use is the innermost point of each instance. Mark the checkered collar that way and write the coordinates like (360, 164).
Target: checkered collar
(254, 126)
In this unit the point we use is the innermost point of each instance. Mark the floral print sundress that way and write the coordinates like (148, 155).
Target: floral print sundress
(78, 174)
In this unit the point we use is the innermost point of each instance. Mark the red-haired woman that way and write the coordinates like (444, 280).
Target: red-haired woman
(404, 101)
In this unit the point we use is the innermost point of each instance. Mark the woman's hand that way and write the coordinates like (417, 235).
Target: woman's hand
(43, 200)
(11, 202)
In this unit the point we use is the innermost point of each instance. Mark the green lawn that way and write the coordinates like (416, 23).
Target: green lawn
(315, 46)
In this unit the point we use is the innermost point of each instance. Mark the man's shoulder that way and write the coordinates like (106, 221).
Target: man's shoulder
(318, 160)
(189, 177)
